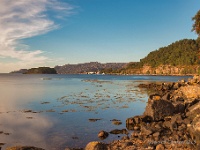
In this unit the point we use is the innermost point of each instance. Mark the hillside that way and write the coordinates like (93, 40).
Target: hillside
(89, 67)
(183, 52)
(181, 57)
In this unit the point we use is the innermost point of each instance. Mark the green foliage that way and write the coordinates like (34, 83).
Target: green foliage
(41, 70)
(183, 52)
(135, 65)
(196, 25)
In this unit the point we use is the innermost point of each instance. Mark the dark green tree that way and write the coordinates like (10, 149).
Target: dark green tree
(196, 25)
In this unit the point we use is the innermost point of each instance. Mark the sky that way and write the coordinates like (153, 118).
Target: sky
(57, 32)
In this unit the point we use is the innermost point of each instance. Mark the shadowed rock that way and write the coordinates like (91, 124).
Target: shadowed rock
(159, 109)
(103, 134)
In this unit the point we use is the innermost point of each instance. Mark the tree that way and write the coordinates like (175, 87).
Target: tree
(196, 25)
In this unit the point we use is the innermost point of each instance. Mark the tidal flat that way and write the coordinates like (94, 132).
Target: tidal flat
(68, 110)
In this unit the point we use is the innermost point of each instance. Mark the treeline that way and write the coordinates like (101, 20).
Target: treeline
(181, 53)
(41, 70)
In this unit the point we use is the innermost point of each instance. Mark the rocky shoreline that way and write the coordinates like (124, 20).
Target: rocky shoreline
(171, 120)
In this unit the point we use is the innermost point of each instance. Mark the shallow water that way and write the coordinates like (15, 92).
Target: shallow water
(53, 111)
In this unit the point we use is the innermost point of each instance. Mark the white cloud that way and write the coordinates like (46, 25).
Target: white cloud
(22, 19)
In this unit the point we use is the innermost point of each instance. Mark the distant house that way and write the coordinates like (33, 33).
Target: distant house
(91, 72)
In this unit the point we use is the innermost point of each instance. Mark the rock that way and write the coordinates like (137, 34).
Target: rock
(182, 81)
(166, 96)
(196, 127)
(176, 86)
(146, 130)
(24, 148)
(160, 147)
(196, 77)
(187, 121)
(192, 80)
(96, 146)
(182, 127)
(115, 122)
(177, 118)
(135, 134)
(189, 93)
(167, 124)
(167, 86)
(117, 131)
(173, 123)
(125, 137)
(156, 134)
(130, 121)
(103, 134)
(146, 119)
(93, 120)
(158, 125)
(179, 108)
(133, 121)
(193, 111)
(154, 97)
(126, 144)
(136, 127)
(137, 119)
(158, 109)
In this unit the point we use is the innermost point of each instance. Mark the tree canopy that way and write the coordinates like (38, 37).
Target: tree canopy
(41, 70)
(196, 25)
(183, 52)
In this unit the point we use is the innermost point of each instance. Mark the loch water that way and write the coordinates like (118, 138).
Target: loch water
(58, 111)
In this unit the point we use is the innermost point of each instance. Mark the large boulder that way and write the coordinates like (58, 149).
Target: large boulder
(188, 93)
(95, 145)
(158, 109)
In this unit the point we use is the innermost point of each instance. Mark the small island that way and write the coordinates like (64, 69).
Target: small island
(41, 70)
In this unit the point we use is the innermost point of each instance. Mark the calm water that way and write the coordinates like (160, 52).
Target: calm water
(53, 111)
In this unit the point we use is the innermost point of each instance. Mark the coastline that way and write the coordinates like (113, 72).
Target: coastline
(142, 135)
(170, 120)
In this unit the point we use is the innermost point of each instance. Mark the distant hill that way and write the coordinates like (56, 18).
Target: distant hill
(179, 58)
(20, 71)
(89, 67)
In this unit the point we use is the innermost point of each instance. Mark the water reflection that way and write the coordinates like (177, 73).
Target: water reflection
(16, 126)
(18, 129)
(55, 111)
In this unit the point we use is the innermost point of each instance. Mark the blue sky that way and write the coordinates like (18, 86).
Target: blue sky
(58, 32)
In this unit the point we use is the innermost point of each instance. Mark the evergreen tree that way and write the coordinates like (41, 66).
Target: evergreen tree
(196, 25)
